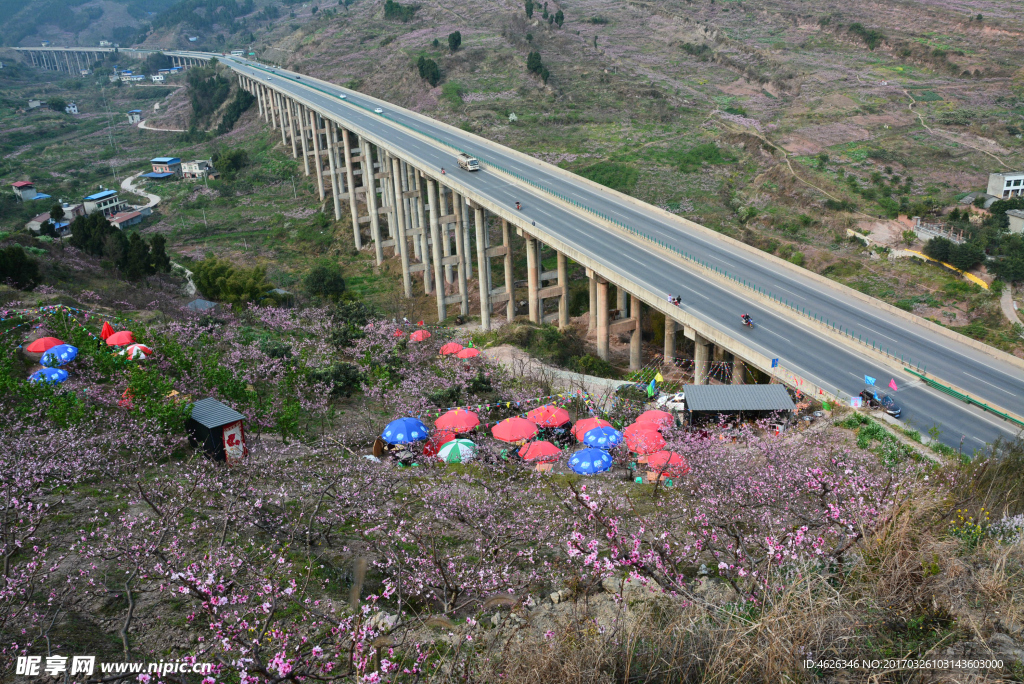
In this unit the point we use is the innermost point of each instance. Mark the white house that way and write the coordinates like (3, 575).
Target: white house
(193, 39)
(35, 103)
(199, 168)
(157, 78)
(70, 108)
(1016, 217)
(105, 43)
(85, 72)
(1006, 185)
(134, 116)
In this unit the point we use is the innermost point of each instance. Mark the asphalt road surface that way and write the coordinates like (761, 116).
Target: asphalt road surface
(820, 359)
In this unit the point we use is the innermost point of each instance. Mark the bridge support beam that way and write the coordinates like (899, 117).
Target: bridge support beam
(670, 341)
(461, 253)
(592, 322)
(425, 240)
(314, 126)
(279, 100)
(350, 181)
(532, 278)
(483, 267)
(635, 349)
(510, 283)
(435, 236)
(602, 318)
(702, 351)
(291, 127)
(622, 302)
(332, 153)
(370, 197)
(403, 246)
(563, 299)
(739, 371)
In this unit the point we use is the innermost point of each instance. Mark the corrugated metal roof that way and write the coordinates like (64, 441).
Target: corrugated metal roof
(165, 160)
(729, 398)
(101, 195)
(211, 413)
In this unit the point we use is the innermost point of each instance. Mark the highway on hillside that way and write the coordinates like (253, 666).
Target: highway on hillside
(812, 354)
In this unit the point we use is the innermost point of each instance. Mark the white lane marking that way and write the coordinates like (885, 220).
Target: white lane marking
(987, 383)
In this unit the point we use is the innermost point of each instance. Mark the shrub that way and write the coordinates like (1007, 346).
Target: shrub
(452, 93)
(18, 268)
(230, 161)
(325, 280)
(243, 100)
(938, 248)
(429, 71)
(615, 175)
(454, 40)
(219, 280)
(871, 37)
(399, 12)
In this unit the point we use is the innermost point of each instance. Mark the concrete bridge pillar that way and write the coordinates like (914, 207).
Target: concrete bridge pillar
(314, 126)
(279, 100)
(370, 190)
(409, 200)
(303, 138)
(332, 152)
(510, 287)
(435, 236)
(272, 103)
(622, 302)
(739, 371)
(483, 267)
(563, 299)
(635, 350)
(446, 243)
(702, 351)
(532, 278)
(670, 341)
(592, 323)
(403, 247)
(350, 181)
(425, 240)
(602, 318)
(290, 106)
(462, 254)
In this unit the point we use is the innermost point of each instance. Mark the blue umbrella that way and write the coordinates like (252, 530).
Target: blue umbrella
(59, 355)
(53, 375)
(405, 431)
(602, 437)
(590, 461)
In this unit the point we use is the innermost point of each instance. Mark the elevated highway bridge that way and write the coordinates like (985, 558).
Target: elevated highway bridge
(383, 164)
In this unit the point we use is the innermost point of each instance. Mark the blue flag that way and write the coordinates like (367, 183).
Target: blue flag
(869, 380)
(652, 388)
(775, 363)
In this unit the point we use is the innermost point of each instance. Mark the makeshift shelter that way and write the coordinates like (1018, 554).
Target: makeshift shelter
(218, 428)
(201, 305)
(708, 402)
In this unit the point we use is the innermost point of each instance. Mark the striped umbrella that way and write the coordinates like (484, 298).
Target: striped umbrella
(457, 451)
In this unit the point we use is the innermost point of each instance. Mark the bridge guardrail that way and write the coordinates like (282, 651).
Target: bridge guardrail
(966, 398)
(801, 311)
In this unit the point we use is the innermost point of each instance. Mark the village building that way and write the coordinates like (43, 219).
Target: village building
(135, 116)
(37, 222)
(157, 78)
(1006, 185)
(164, 167)
(35, 103)
(125, 218)
(70, 108)
(198, 168)
(1016, 217)
(105, 201)
(26, 190)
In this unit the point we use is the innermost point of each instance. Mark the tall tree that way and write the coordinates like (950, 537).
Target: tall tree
(529, 9)
(161, 262)
(454, 40)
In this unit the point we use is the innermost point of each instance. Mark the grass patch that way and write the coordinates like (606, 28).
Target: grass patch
(614, 175)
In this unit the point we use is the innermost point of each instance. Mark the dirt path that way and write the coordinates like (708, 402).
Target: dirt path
(143, 126)
(1006, 304)
(931, 131)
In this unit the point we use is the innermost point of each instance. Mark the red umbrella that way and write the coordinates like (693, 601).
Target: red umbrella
(548, 416)
(583, 426)
(435, 443)
(661, 417)
(468, 353)
(42, 344)
(419, 335)
(514, 430)
(542, 452)
(642, 427)
(459, 420)
(106, 331)
(451, 348)
(398, 333)
(119, 339)
(668, 462)
(645, 442)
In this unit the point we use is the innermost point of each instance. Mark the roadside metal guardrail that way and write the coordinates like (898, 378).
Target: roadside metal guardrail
(967, 399)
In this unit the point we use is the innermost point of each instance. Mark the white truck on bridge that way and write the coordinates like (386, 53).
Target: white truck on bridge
(468, 163)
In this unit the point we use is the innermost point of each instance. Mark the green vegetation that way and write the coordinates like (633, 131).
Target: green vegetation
(325, 280)
(454, 41)
(429, 71)
(243, 100)
(18, 268)
(615, 175)
(398, 12)
(220, 281)
(131, 255)
(207, 92)
(535, 66)
(871, 37)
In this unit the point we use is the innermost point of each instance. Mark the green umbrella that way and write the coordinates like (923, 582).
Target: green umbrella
(457, 451)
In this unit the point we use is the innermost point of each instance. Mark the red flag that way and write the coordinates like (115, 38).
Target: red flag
(420, 323)
(892, 385)
(106, 331)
